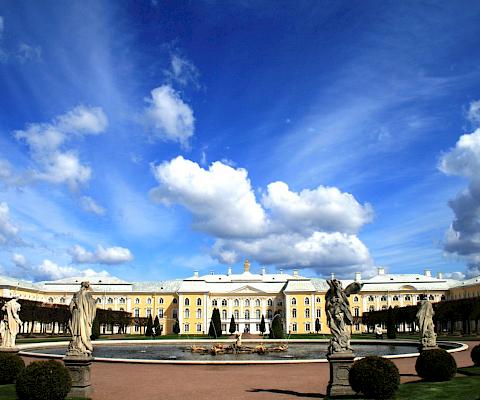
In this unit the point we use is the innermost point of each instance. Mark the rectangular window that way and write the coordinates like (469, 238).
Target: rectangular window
(319, 313)
(160, 313)
(186, 328)
(137, 328)
(357, 327)
(257, 327)
(294, 327)
(307, 327)
(137, 313)
(149, 312)
(224, 327)
(175, 314)
(199, 327)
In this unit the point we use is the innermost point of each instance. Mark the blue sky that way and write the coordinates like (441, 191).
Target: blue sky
(148, 139)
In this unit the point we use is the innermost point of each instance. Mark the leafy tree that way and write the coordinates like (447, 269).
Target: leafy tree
(276, 327)
(156, 326)
(176, 327)
(262, 325)
(318, 327)
(215, 329)
(233, 326)
(391, 325)
(149, 330)
(95, 329)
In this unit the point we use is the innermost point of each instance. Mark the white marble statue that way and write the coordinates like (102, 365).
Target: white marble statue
(10, 325)
(339, 317)
(83, 308)
(425, 322)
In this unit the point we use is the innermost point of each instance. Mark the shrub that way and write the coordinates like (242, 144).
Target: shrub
(436, 365)
(10, 366)
(476, 355)
(375, 377)
(95, 329)
(44, 380)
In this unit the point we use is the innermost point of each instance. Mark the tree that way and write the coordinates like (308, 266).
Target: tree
(391, 325)
(318, 326)
(262, 325)
(149, 331)
(176, 327)
(233, 326)
(215, 329)
(95, 329)
(276, 327)
(156, 326)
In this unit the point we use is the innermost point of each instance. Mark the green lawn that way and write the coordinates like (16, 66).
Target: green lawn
(7, 392)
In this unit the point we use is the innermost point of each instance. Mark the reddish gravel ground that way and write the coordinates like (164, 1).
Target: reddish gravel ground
(114, 381)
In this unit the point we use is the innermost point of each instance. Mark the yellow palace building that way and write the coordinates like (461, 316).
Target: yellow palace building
(246, 296)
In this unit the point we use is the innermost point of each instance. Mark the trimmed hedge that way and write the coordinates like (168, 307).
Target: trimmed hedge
(436, 365)
(44, 380)
(475, 354)
(375, 377)
(10, 366)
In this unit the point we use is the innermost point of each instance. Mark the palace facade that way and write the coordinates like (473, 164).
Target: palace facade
(246, 296)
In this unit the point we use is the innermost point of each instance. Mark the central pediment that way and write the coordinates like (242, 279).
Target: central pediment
(247, 289)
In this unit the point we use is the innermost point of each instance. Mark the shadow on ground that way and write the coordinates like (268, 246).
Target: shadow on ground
(290, 392)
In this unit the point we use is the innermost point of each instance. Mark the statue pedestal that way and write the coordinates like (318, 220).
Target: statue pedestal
(11, 350)
(79, 368)
(340, 364)
(425, 348)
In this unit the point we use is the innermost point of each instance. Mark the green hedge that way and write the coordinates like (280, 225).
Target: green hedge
(10, 366)
(436, 365)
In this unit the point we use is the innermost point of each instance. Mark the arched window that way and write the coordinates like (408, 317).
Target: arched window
(318, 300)
(407, 297)
(383, 298)
(307, 313)
(279, 303)
(187, 302)
(199, 313)
(175, 301)
(137, 301)
(214, 303)
(307, 300)
(371, 308)
(247, 314)
(294, 301)
(50, 299)
(160, 313)
(122, 300)
(269, 313)
(149, 301)
(443, 297)
(236, 303)
(110, 300)
(355, 299)
(270, 302)
(160, 300)
(431, 297)
(199, 301)
(257, 314)
(257, 303)
(247, 303)
(187, 313)
(395, 298)
(99, 300)
(122, 309)
(370, 298)
(62, 300)
(236, 314)
(294, 313)
(384, 307)
(224, 303)
(224, 314)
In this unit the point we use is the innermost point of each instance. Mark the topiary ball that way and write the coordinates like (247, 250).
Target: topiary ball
(44, 380)
(375, 377)
(475, 354)
(10, 366)
(436, 365)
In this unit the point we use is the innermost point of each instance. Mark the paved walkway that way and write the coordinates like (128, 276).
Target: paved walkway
(113, 381)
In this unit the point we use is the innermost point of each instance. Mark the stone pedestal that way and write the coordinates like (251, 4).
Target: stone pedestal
(11, 350)
(425, 348)
(79, 368)
(340, 364)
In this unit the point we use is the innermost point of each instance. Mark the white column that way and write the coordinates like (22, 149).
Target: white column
(180, 312)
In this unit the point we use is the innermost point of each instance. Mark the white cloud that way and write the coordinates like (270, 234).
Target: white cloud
(310, 229)
(49, 270)
(8, 231)
(474, 112)
(46, 141)
(28, 53)
(168, 116)
(323, 209)
(19, 260)
(463, 236)
(458, 275)
(221, 198)
(89, 205)
(182, 71)
(2, 26)
(102, 255)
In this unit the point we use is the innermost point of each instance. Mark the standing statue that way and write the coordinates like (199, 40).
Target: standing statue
(10, 325)
(339, 317)
(83, 308)
(425, 322)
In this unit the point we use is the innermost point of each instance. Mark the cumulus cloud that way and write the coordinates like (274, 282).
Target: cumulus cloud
(313, 228)
(49, 270)
(46, 143)
(168, 117)
(8, 231)
(182, 71)
(474, 112)
(463, 236)
(89, 205)
(19, 260)
(102, 255)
